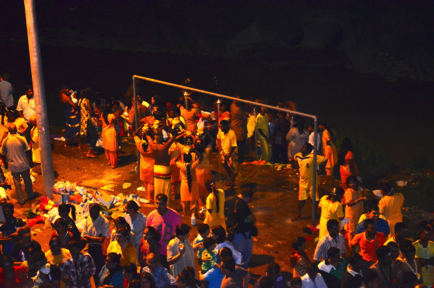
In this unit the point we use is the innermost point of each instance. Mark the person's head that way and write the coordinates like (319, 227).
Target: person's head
(312, 270)
(356, 262)
(203, 230)
(374, 212)
(75, 248)
(370, 227)
(266, 282)
(12, 128)
(150, 233)
(425, 233)
(94, 211)
(210, 185)
(135, 283)
(410, 279)
(336, 194)
(55, 245)
(112, 260)
(173, 112)
(322, 125)
(161, 203)
(299, 244)
(8, 211)
(306, 149)
(273, 271)
(182, 231)
(334, 256)
(228, 265)
(343, 150)
(130, 272)
(224, 126)
(29, 92)
(407, 249)
(218, 233)
(187, 278)
(387, 189)
(181, 280)
(120, 222)
(5, 76)
(26, 236)
(7, 264)
(401, 231)
(131, 207)
(65, 209)
(352, 182)
(122, 235)
(333, 227)
(247, 195)
(225, 252)
(60, 226)
(384, 255)
(147, 280)
(296, 282)
(394, 249)
(32, 120)
(209, 244)
(371, 279)
(152, 260)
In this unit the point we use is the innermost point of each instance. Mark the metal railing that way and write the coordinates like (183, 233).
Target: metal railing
(315, 121)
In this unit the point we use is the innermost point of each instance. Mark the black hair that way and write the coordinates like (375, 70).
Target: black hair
(247, 192)
(343, 150)
(215, 193)
(75, 244)
(67, 208)
(130, 269)
(399, 227)
(228, 263)
(158, 114)
(326, 127)
(309, 147)
(387, 189)
(133, 205)
(123, 222)
(148, 276)
(367, 223)
(115, 257)
(208, 242)
(393, 245)
(156, 234)
(296, 281)
(162, 197)
(94, 205)
(60, 221)
(331, 223)
(354, 179)
(182, 229)
(202, 228)
(298, 242)
(190, 275)
(313, 267)
(108, 109)
(55, 239)
(273, 268)
(336, 194)
(188, 158)
(354, 259)
(9, 206)
(224, 123)
(225, 252)
(332, 252)
(38, 256)
(124, 231)
(373, 208)
(220, 233)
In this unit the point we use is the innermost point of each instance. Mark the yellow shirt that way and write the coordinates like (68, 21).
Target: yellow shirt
(307, 169)
(329, 209)
(426, 253)
(227, 141)
(129, 252)
(390, 206)
(364, 217)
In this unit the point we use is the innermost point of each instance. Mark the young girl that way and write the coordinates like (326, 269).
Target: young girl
(331, 208)
(299, 259)
(354, 206)
(148, 244)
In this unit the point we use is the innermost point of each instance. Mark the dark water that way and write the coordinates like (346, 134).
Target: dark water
(397, 116)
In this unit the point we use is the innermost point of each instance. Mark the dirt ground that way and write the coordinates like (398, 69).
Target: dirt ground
(274, 203)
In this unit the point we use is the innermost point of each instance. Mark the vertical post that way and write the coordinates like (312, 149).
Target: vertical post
(256, 135)
(218, 114)
(315, 153)
(39, 94)
(186, 100)
(136, 121)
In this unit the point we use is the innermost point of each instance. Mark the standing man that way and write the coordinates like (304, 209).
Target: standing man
(6, 91)
(332, 239)
(165, 221)
(227, 145)
(239, 126)
(304, 159)
(14, 147)
(240, 216)
(26, 104)
(263, 135)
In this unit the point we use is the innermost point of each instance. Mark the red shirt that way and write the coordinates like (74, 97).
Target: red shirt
(20, 275)
(367, 248)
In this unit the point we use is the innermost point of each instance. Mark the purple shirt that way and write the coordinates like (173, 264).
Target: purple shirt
(166, 225)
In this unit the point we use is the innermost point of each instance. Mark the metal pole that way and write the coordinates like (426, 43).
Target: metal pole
(136, 121)
(315, 153)
(256, 135)
(218, 113)
(39, 94)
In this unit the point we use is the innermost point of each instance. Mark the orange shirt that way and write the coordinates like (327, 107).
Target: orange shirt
(367, 248)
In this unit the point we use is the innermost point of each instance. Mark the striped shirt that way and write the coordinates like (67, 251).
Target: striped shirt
(326, 243)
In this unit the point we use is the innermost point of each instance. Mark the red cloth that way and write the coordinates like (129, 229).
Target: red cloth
(20, 274)
(32, 222)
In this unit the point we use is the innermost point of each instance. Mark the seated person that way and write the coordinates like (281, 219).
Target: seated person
(273, 271)
(9, 228)
(20, 251)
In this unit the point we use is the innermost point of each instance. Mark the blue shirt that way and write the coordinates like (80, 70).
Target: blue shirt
(117, 279)
(215, 277)
(162, 276)
(382, 227)
(6, 91)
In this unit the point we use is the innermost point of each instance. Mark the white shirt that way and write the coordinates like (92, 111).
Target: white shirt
(237, 255)
(97, 227)
(308, 283)
(27, 106)
(312, 140)
(137, 227)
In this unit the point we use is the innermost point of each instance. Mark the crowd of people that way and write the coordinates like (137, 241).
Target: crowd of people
(175, 140)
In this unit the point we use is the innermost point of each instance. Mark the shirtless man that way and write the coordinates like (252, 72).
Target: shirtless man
(160, 152)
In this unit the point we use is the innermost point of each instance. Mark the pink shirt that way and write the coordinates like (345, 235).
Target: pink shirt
(166, 225)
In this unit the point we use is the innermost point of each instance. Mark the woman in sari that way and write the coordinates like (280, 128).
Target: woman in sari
(109, 137)
(203, 169)
(347, 164)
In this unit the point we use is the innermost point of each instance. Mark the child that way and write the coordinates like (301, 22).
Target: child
(203, 230)
(208, 256)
